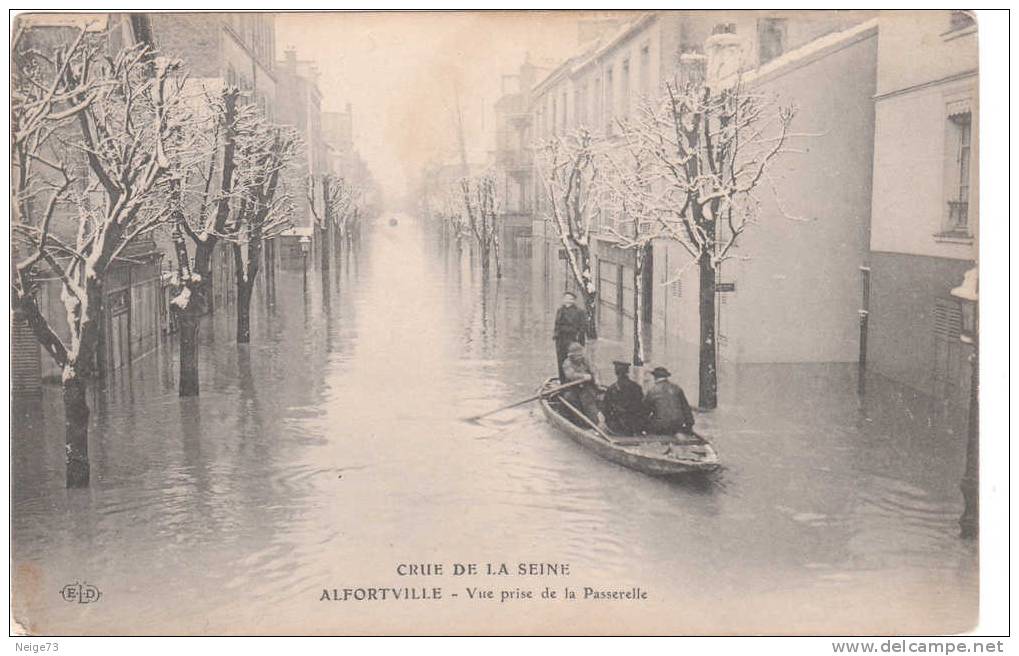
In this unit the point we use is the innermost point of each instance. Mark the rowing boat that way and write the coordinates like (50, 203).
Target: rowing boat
(658, 455)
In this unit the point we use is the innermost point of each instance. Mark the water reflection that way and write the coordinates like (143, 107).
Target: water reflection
(331, 448)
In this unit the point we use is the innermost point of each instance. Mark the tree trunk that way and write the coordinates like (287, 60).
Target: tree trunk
(187, 323)
(708, 378)
(246, 273)
(76, 417)
(486, 263)
(587, 291)
(243, 311)
(591, 307)
(498, 258)
(201, 299)
(638, 307)
(325, 267)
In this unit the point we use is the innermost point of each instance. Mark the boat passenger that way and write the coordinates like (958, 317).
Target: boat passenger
(582, 397)
(623, 405)
(570, 327)
(667, 409)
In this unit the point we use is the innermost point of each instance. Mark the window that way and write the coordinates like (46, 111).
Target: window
(555, 115)
(609, 106)
(645, 70)
(771, 37)
(624, 98)
(947, 376)
(581, 108)
(960, 140)
(565, 115)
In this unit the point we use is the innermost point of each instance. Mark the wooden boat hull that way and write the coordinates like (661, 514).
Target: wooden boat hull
(658, 455)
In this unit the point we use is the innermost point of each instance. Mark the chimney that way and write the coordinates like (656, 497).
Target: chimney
(724, 51)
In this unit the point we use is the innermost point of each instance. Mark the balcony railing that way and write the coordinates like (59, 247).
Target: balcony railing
(958, 217)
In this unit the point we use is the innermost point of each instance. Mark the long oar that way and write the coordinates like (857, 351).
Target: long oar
(546, 392)
(590, 423)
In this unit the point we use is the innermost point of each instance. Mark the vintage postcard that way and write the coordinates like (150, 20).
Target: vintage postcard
(499, 323)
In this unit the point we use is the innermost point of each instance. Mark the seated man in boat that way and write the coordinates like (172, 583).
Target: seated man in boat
(623, 405)
(667, 409)
(582, 397)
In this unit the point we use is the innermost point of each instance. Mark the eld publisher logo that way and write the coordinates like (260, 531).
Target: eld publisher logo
(83, 593)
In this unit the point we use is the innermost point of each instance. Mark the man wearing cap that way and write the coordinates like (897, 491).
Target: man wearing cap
(623, 405)
(581, 397)
(667, 409)
(570, 327)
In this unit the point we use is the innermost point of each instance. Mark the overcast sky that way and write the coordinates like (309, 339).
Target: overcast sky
(400, 69)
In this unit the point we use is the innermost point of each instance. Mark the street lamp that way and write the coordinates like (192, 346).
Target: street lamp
(305, 244)
(968, 296)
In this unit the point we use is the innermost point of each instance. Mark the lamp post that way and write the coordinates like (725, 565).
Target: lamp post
(305, 244)
(967, 293)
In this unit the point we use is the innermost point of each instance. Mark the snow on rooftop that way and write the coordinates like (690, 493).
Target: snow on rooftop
(807, 50)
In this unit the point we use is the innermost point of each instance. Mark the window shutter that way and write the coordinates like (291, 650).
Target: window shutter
(947, 320)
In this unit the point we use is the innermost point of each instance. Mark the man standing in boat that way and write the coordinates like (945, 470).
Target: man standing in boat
(623, 405)
(570, 328)
(667, 409)
(582, 397)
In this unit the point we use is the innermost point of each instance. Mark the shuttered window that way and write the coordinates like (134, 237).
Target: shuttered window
(947, 320)
(947, 370)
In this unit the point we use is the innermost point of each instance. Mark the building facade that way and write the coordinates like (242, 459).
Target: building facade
(514, 158)
(793, 293)
(131, 321)
(236, 49)
(300, 104)
(883, 192)
(221, 49)
(925, 204)
(338, 135)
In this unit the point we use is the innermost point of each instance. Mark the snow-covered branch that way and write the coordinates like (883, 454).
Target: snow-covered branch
(94, 139)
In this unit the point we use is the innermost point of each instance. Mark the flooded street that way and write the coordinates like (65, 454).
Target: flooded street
(332, 449)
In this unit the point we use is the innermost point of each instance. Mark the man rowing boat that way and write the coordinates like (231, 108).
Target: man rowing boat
(583, 397)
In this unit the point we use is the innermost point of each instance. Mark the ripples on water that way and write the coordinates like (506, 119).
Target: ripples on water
(332, 448)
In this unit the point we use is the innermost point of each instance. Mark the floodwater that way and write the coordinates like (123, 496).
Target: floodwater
(331, 451)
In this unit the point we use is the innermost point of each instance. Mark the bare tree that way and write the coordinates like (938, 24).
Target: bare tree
(337, 215)
(349, 208)
(451, 213)
(201, 214)
(93, 141)
(711, 150)
(480, 207)
(569, 169)
(341, 205)
(264, 207)
(626, 196)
